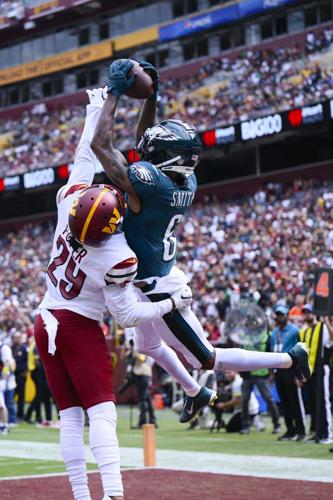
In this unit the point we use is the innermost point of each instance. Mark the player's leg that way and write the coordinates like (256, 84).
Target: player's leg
(104, 445)
(88, 362)
(70, 411)
(148, 341)
(183, 331)
(187, 332)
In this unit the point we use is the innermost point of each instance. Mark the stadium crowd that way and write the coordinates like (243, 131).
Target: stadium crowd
(265, 246)
(222, 91)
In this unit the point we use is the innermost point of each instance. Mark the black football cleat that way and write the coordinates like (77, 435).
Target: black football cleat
(205, 397)
(300, 357)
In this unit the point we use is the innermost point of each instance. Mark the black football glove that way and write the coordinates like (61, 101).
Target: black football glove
(151, 70)
(118, 81)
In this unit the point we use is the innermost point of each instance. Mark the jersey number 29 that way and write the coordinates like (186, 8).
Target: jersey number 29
(170, 240)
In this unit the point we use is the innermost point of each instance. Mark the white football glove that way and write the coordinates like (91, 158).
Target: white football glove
(97, 97)
(183, 298)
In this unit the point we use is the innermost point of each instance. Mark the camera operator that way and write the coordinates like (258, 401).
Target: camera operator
(140, 374)
(230, 400)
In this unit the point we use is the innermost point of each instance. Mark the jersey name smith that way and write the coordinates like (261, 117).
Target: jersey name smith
(182, 199)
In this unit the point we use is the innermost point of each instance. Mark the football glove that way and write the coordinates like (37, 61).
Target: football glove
(151, 70)
(183, 298)
(97, 97)
(118, 80)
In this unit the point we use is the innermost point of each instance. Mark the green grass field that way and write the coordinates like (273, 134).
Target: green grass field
(170, 436)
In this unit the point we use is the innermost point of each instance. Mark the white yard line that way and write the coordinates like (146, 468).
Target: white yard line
(246, 465)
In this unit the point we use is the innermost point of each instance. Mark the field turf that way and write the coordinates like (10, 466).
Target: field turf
(170, 436)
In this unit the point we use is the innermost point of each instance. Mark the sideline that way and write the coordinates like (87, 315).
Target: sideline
(305, 469)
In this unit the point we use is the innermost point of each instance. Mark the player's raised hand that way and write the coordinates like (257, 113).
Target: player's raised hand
(183, 298)
(151, 70)
(118, 80)
(97, 97)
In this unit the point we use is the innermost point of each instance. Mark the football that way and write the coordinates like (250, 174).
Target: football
(143, 86)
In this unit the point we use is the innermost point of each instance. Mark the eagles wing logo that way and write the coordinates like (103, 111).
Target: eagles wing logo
(143, 174)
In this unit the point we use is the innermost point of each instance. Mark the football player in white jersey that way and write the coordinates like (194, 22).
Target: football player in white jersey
(91, 267)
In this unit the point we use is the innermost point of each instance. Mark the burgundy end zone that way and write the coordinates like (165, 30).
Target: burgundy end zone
(158, 484)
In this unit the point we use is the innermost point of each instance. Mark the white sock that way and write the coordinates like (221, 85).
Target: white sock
(168, 360)
(72, 449)
(243, 360)
(104, 445)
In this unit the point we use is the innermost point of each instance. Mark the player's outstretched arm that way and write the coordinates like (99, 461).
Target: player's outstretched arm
(83, 172)
(85, 160)
(113, 162)
(148, 111)
(128, 311)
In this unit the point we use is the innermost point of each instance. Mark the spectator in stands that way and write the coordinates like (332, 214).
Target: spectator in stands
(20, 354)
(283, 336)
(295, 314)
(318, 336)
(222, 92)
(299, 238)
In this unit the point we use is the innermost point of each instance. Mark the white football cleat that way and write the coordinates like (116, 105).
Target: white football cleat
(97, 97)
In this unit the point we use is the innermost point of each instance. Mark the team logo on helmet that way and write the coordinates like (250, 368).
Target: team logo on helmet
(96, 214)
(172, 145)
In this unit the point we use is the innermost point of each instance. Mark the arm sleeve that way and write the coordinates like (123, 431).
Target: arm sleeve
(85, 160)
(124, 306)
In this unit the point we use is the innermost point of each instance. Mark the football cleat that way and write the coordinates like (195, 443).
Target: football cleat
(300, 357)
(205, 397)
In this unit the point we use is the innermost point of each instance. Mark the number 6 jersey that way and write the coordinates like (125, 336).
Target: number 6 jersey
(151, 232)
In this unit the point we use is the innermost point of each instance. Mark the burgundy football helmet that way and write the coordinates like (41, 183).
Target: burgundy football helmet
(96, 214)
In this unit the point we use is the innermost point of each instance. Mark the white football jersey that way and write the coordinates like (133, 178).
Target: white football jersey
(78, 280)
(87, 279)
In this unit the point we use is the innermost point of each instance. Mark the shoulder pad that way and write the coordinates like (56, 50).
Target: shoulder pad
(123, 272)
(69, 189)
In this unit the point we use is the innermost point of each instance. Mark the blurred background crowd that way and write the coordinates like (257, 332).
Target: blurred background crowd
(261, 249)
(221, 92)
